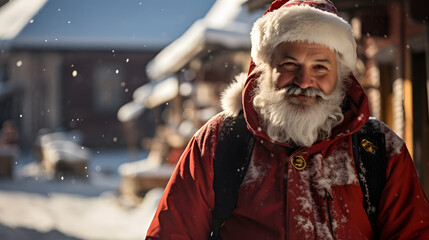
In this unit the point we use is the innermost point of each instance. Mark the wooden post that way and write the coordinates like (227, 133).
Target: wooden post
(405, 70)
(425, 161)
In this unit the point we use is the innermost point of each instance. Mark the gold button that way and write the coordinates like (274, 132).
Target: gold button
(298, 162)
(368, 146)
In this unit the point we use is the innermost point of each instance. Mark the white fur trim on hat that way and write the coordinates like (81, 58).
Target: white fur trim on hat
(302, 24)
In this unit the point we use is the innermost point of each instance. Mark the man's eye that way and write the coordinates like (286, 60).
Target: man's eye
(320, 67)
(289, 65)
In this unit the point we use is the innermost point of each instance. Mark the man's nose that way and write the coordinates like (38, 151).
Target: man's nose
(304, 79)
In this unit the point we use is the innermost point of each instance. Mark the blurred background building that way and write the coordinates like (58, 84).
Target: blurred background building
(70, 65)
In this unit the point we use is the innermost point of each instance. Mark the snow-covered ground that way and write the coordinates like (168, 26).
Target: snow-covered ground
(33, 206)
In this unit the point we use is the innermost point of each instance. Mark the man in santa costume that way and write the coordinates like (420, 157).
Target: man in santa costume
(302, 105)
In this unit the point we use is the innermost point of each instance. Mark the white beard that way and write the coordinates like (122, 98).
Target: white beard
(290, 120)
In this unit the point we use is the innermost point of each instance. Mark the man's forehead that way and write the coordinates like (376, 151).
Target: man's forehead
(295, 50)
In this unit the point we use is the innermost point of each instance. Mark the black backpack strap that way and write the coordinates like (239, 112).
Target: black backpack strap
(233, 154)
(369, 150)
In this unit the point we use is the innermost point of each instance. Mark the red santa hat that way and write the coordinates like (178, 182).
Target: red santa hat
(312, 21)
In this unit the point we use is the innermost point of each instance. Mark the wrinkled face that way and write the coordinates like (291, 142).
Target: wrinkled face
(306, 66)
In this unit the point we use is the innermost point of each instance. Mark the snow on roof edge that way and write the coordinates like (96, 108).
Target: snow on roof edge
(15, 15)
(180, 51)
(209, 30)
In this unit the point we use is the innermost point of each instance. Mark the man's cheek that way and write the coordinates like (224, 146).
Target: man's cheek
(284, 80)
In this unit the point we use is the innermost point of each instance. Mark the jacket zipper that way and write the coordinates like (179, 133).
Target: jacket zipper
(329, 198)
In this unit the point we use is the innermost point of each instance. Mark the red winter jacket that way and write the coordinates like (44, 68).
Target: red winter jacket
(278, 201)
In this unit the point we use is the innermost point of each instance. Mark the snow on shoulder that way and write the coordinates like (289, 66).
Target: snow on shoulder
(394, 143)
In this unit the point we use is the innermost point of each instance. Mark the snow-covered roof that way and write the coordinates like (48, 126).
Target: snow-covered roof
(227, 24)
(14, 16)
(149, 95)
(97, 24)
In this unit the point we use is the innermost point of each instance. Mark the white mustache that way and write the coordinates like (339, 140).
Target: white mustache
(295, 90)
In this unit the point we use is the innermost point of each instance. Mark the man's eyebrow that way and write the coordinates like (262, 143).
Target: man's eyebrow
(287, 57)
(323, 60)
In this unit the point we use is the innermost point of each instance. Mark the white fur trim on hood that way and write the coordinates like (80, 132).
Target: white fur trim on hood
(302, 24)
(231, 98)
